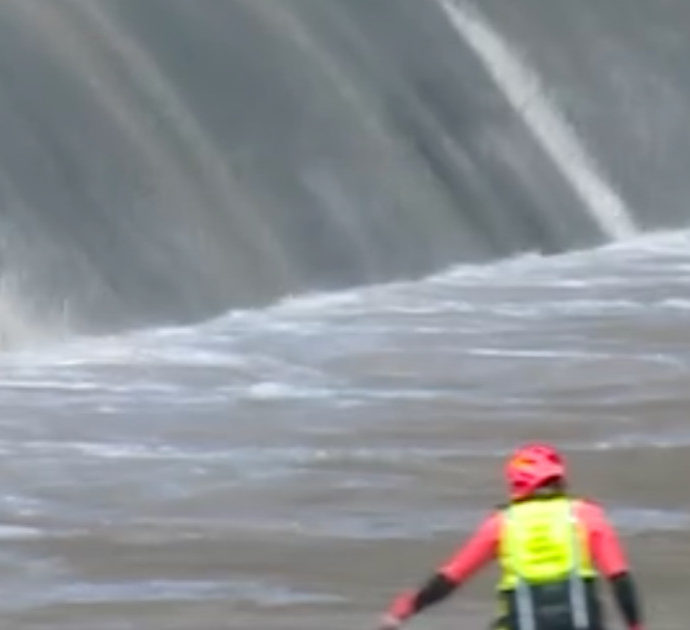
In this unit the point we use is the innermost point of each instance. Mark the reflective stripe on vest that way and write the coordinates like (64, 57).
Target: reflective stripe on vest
(543, 542)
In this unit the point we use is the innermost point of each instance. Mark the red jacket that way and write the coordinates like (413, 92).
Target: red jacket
(482, 547)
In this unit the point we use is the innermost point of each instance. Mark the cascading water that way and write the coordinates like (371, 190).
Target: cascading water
(165, 161)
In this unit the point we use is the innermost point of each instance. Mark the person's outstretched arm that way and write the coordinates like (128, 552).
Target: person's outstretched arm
(611, 561)
(474, 554)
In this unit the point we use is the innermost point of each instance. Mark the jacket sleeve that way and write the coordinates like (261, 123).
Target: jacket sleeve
(609, 557)
(607, 552)
(479, 550)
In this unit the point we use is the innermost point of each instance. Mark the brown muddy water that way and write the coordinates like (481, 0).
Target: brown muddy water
(294, 467)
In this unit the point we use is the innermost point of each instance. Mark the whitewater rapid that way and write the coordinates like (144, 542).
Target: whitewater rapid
(363, 417)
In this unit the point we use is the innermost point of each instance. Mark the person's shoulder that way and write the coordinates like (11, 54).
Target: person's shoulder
(590, 508)
(588, 502)
(492, 518)
(490, 525)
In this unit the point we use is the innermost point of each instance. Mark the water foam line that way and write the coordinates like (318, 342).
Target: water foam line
(524, 91)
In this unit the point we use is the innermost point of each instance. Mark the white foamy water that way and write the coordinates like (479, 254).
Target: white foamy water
(133, 463)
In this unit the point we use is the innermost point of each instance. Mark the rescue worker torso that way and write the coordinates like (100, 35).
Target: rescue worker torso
(548, 576)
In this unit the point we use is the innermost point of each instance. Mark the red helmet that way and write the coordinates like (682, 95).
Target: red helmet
(530, 466)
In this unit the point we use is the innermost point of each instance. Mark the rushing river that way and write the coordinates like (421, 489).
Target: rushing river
(293, 466)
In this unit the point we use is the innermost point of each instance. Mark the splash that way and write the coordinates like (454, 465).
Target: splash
(19, 326)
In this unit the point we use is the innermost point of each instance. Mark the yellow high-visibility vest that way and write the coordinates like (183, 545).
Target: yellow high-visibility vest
(542, 541)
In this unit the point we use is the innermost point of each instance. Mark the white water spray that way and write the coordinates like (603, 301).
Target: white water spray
(18, 325)
(524, 91)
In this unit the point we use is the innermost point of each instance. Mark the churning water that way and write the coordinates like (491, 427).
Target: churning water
(283, 281)
(272, 463)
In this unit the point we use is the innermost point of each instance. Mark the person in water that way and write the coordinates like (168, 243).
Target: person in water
(550, 547)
